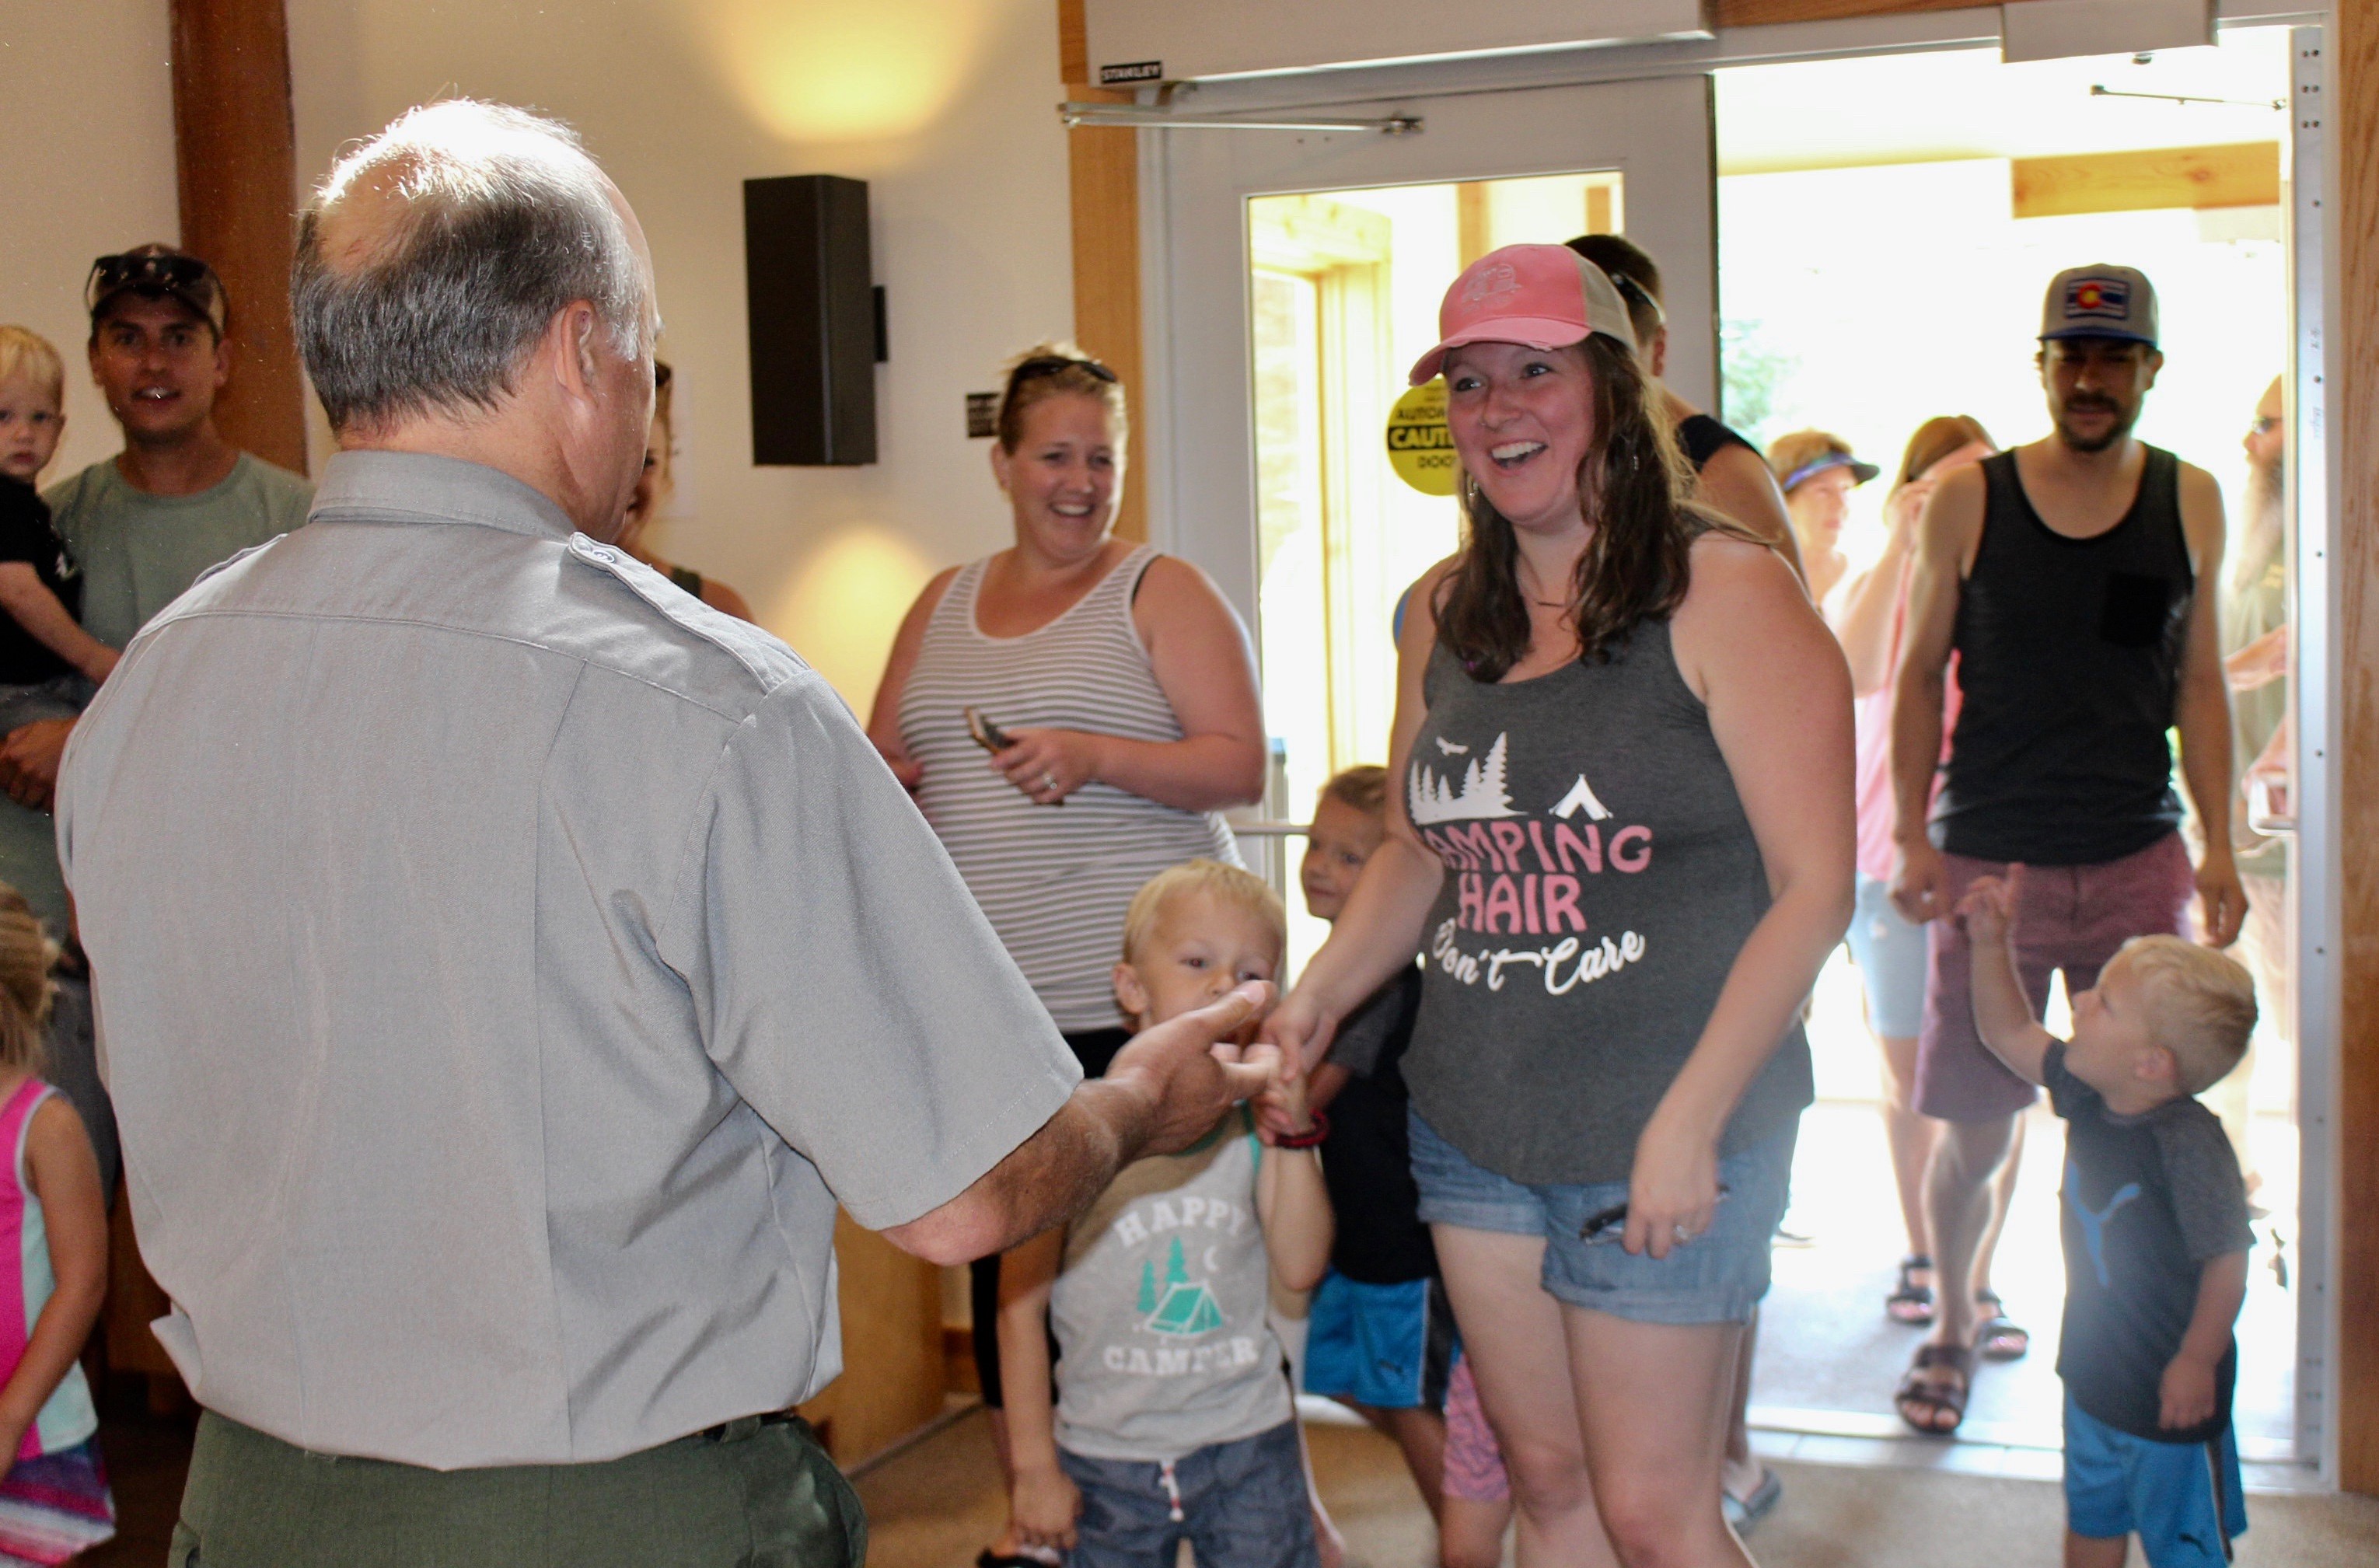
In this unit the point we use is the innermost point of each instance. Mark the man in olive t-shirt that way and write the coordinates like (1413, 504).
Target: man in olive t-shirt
(144, 523)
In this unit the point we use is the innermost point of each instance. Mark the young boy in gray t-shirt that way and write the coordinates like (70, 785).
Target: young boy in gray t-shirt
(1173, 1420)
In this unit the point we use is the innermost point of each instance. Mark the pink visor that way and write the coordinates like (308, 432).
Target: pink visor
(1544, 296)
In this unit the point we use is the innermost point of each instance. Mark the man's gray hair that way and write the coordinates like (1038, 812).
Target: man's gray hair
(497, 220)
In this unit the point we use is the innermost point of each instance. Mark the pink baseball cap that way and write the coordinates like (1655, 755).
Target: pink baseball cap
(1544, 296)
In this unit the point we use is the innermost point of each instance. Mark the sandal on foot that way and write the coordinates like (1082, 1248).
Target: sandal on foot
(1999, 1337)
(1923, 1401)
(1910, 1302)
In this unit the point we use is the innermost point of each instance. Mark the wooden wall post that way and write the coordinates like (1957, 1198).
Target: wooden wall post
(235, 150)
(2354, 368)
(1104, 166)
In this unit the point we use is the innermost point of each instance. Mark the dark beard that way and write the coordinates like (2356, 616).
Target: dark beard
(2115, 432)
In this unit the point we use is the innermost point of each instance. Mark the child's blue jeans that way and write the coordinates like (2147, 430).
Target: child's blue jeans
(1239, 1504)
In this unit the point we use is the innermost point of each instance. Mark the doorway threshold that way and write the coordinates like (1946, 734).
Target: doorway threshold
(2010, 1450)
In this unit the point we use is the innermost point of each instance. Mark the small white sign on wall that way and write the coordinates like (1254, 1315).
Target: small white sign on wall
(1134, 41)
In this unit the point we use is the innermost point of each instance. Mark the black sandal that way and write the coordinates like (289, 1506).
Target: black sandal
(1999, 1337)
(1936, 1398)
(1910, 1302)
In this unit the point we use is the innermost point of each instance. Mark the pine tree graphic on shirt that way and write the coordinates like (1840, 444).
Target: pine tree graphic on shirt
(1479, 793)
(1187, 1308)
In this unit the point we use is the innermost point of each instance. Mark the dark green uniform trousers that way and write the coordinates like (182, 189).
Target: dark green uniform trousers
(753, 1493)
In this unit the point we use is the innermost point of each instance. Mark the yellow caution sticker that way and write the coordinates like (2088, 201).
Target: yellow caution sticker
(1420, 446)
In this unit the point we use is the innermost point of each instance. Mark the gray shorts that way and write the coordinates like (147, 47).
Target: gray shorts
(1890, 951)
(1239, 1504)
(1718, 1277)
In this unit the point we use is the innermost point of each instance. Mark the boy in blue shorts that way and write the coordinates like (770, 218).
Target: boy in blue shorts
(2156, 1232)
(1380, 1335)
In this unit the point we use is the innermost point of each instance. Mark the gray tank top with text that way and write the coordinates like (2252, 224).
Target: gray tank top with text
(1601, 877)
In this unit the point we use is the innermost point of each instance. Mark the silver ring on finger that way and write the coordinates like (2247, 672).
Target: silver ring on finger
(1048, 781)
(1681, 1234)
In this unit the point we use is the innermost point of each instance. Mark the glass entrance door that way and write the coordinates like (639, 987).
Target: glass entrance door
(1306, 274)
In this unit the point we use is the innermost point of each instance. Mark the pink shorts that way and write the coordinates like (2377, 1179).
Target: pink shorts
(1474, 1466)
(2072, 918)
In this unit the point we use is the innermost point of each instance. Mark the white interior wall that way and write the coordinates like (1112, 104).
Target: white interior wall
(87, 115)
(944, 106)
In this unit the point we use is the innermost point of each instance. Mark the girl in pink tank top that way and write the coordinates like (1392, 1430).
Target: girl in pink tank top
(54, 1498)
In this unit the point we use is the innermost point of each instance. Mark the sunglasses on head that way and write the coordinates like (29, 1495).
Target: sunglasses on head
(146, 270)
(1056, 364)
(1639, 293)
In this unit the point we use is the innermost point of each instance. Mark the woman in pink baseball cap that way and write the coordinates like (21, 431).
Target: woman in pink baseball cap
(1622, 848)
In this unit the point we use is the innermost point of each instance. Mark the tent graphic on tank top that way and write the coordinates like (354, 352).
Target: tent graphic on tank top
(1181, 1306)
(1480, 793)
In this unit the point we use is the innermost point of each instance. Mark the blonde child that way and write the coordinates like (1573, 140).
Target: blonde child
(1172, 1419)
(54, 1498)
(2156, 1232)
(45, 656)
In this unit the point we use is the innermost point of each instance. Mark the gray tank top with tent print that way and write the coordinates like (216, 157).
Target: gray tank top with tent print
(1601, 877)
(1162, 1309)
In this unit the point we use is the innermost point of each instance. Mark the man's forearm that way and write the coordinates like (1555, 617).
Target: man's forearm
(1916, 748)
(1046, 1180)
(2206, 757)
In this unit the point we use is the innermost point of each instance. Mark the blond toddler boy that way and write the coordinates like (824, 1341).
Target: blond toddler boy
(1173, 1419)
(2156, 1232)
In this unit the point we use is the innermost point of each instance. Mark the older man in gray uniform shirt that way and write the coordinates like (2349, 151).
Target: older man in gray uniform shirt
(506, 962)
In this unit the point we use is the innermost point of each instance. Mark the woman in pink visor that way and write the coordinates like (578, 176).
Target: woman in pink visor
(1622, 844)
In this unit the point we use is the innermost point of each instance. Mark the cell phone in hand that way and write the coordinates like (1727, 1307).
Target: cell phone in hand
(986, 734)
(1606, 1225)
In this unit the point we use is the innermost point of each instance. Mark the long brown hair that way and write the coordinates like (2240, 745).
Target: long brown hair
(1936, 438)
(27, 956)
(1637, 564)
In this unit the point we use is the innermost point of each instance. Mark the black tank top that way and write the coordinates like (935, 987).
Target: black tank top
(1600, 876)
(1704, 437)
(2068, 654)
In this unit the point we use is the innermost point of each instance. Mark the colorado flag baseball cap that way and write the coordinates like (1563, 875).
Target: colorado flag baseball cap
(2100, 302)
(1544, 296)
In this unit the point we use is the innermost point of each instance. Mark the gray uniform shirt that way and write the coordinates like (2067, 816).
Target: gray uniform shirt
(504, 963)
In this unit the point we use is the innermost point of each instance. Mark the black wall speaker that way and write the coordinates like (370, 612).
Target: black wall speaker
(816, 321)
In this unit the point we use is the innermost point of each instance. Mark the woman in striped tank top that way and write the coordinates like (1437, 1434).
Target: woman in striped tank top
(1125, 689)
(54, 1498)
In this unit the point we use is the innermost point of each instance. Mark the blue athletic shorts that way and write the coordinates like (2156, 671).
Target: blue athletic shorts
(2183, 1500)
(1891, 956)
(1385, 1345)
(1718, 1277)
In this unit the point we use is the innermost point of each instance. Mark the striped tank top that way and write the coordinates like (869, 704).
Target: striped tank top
(1052, 880)
(68, 1417)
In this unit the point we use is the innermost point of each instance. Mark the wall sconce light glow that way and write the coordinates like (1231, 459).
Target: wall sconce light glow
(842, 607)
(844, 72)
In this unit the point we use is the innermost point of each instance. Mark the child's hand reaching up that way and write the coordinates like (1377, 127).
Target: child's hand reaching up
(1988, 908)
(1284, 1111)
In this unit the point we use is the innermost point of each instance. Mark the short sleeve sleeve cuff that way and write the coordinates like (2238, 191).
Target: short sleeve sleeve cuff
(849, 987)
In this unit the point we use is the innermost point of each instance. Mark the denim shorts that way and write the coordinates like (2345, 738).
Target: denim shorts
(1718, 1277)
(1239, 1504)
(1889, 952)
